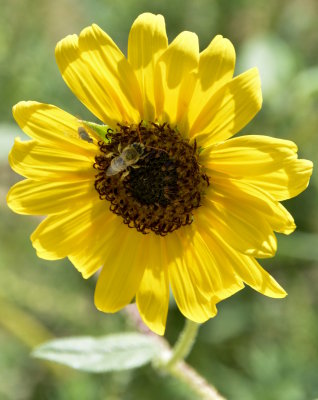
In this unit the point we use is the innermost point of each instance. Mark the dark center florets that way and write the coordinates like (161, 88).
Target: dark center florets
(151, 177)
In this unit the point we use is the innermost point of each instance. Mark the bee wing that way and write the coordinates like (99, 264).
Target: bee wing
(111, 171)
(117, 165)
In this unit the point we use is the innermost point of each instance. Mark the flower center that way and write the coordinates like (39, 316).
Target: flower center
(151, 177)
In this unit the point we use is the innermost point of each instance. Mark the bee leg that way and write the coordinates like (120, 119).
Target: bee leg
(144, 156)
(126, 173)
(111, 154)
(119, 148)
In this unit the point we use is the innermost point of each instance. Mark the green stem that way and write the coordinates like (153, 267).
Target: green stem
(184, 344)
(174, 364)
(189, 376)
(171, 361)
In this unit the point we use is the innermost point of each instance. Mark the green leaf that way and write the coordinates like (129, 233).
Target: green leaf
(107, 353)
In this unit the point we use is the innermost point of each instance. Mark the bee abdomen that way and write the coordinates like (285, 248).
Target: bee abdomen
(117, 165)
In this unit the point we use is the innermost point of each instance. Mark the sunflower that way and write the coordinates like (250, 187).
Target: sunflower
(157, 194)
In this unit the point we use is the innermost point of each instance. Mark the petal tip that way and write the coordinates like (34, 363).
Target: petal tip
(159, 329)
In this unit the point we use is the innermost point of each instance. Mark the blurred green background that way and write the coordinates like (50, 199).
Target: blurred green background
(256, 348)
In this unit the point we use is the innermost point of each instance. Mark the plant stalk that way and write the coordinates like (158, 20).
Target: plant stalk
(172, 360)
(184, 344)
(174, 364)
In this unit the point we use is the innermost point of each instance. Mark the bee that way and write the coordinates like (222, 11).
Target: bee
(130, 155)
(84, 135)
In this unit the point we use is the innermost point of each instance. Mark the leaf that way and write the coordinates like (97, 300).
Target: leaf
(107, 353)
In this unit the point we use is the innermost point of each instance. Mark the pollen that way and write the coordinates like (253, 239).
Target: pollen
(160, 188)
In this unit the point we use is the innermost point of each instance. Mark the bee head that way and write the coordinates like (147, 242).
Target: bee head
(139, 147)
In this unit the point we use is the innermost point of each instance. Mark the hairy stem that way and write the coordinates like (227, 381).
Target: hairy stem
(174, 364)
(189, 376)
(184, 344)
(172, 360)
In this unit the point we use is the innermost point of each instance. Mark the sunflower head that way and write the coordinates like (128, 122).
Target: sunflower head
(156, 194)
(155, 182)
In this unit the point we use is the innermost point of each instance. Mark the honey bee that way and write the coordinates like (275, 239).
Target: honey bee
(130, 155)
(84, 135)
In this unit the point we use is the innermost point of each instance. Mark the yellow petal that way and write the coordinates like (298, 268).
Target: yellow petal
(216, 67)
(153, 293)
(249, 270)
(42, 198)
(229, 282)
(215, 279)
(286, 182)
(237, 193)
(191, 302)
(175, 67)
(41, 162)
(49, 124)
(88, 259)
(268, 163)
(100, 76)
(232, 107)
(196, 280)
(249, 155)
(247, 232)
(124, 265)
(61, 234)
(257, 278)
(147, 40)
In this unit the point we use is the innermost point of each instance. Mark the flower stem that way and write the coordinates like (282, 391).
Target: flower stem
(189, 376)
(184, 344)
(174, 364)
(172, 360)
